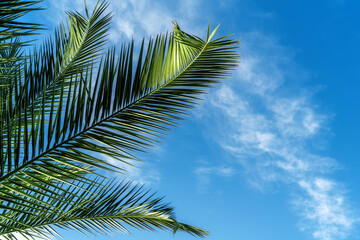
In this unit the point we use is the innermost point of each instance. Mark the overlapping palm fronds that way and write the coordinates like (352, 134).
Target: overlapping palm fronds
(71, 105)
(10, 25)
(11, 29)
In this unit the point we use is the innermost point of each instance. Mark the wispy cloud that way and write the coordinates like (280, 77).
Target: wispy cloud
(325, 205)
(55, 11)
(137, 172)
(269, 124)
(135, 19)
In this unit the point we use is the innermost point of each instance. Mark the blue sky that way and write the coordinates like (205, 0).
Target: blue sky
(273, 152)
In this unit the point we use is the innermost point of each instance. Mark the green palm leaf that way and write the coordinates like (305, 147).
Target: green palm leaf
(95, 210)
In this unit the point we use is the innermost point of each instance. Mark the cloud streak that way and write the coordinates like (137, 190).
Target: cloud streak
(134, 19)
(269, 124)
(325, 206)
(137, 172)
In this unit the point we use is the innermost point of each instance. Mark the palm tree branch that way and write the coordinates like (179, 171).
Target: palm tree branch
(112, 207)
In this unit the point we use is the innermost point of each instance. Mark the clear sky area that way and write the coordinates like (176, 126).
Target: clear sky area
(273, 153)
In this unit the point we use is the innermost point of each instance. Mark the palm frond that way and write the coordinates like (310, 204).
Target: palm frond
(124, 108)
(117, 111)
(100, 208)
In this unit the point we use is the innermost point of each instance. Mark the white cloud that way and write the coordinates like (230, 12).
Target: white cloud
(295, 117)
(270, 128)
(138, 172)
(55, 11)
(135, 19)
(138, 19)
(324, 203)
